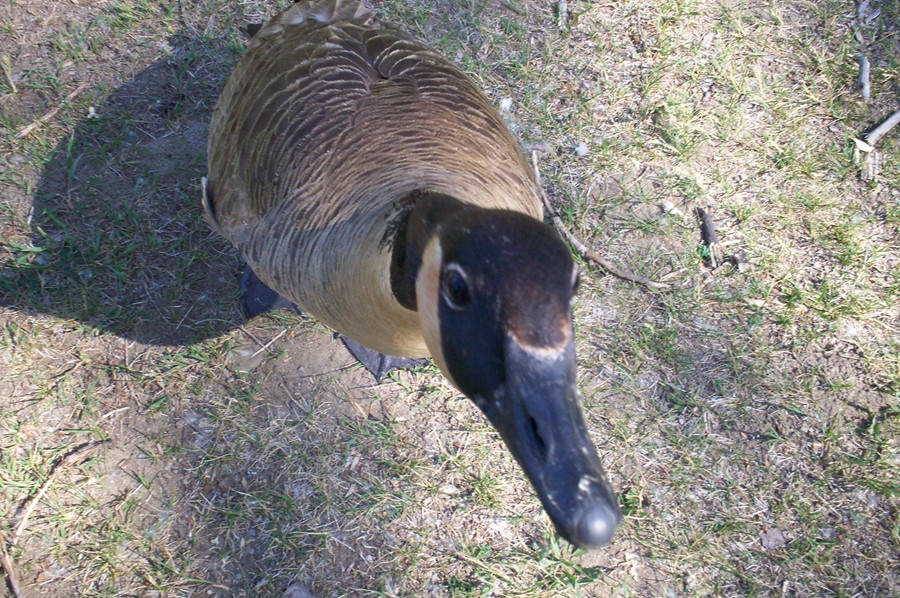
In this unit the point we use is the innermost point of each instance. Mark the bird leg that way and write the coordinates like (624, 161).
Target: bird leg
(379, 363)
(257, 298)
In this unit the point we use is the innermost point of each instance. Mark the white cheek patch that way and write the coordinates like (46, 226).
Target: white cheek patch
(428, 296)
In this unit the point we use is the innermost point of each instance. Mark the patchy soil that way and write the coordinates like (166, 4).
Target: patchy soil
(748, 417)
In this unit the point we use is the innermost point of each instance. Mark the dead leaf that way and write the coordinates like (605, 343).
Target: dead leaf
(772, 538)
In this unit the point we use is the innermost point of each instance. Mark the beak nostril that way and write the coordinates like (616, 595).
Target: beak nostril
(539, 443)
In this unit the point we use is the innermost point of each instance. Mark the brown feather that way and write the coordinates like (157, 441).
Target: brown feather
(327, 123)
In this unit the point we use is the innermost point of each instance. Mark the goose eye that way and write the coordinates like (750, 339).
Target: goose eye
(455, 287)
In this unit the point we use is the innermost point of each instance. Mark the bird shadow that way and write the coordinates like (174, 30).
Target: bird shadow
(118, 243)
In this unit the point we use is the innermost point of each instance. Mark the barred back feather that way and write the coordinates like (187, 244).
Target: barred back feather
(329, 120)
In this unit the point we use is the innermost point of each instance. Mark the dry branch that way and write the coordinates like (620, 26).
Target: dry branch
(563, 9)
(708, 234)
(269, 344)
(27, 130)
(866, 155)
(583, 250)
(511, 8)
(875, 135)
(6, 63)
(7, 564)
(864, 78)
(28, 508)
(863, 17)
(29, 505)
(264, 346)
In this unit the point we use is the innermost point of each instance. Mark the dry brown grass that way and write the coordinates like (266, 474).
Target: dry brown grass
(748, 418)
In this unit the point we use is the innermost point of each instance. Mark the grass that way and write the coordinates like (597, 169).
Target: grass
(748, 418)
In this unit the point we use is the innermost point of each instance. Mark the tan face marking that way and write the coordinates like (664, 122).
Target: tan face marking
(565, 334)
(428, 296)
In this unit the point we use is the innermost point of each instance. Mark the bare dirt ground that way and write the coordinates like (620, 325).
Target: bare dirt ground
(748, 416)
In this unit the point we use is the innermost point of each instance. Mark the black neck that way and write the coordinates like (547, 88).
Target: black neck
(413, 234)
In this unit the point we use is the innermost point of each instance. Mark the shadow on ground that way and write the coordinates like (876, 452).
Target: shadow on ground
(118, 245)
(118, 242)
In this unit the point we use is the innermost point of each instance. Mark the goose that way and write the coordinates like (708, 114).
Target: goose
(364, 178)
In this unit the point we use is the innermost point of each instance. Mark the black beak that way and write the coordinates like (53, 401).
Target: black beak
(538, 414)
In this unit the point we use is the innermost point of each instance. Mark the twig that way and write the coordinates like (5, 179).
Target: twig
(708, 234)
(292, 397)
(481, 564)
(866, 155)
(875, 135)
(862, 10)
(265, 346)
(27, 130)
(269, 344)
(511, 8)
(8, 569)
(864, 85)
(581, 248)
(862, 14)
(30, 504)
(6, 63)
(181, 16)
(563, 13)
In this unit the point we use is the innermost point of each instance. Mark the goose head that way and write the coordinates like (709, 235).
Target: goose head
(494, 291)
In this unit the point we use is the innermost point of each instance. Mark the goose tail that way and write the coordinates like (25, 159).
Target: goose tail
(315, 11)
(326, 11)
(209, 212)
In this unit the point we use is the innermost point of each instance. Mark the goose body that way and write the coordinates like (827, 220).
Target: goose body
(365, 178)
(334, 125)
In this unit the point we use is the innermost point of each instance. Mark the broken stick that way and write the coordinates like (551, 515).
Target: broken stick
(29, 505)
(875, 135)
(7, 564)
(865, 85)
(583, 250)
(710, 239)
(27, 130)
(563, 9)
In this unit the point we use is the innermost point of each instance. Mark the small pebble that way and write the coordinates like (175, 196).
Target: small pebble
(669, 208)
(245, 359)
(297, 590)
